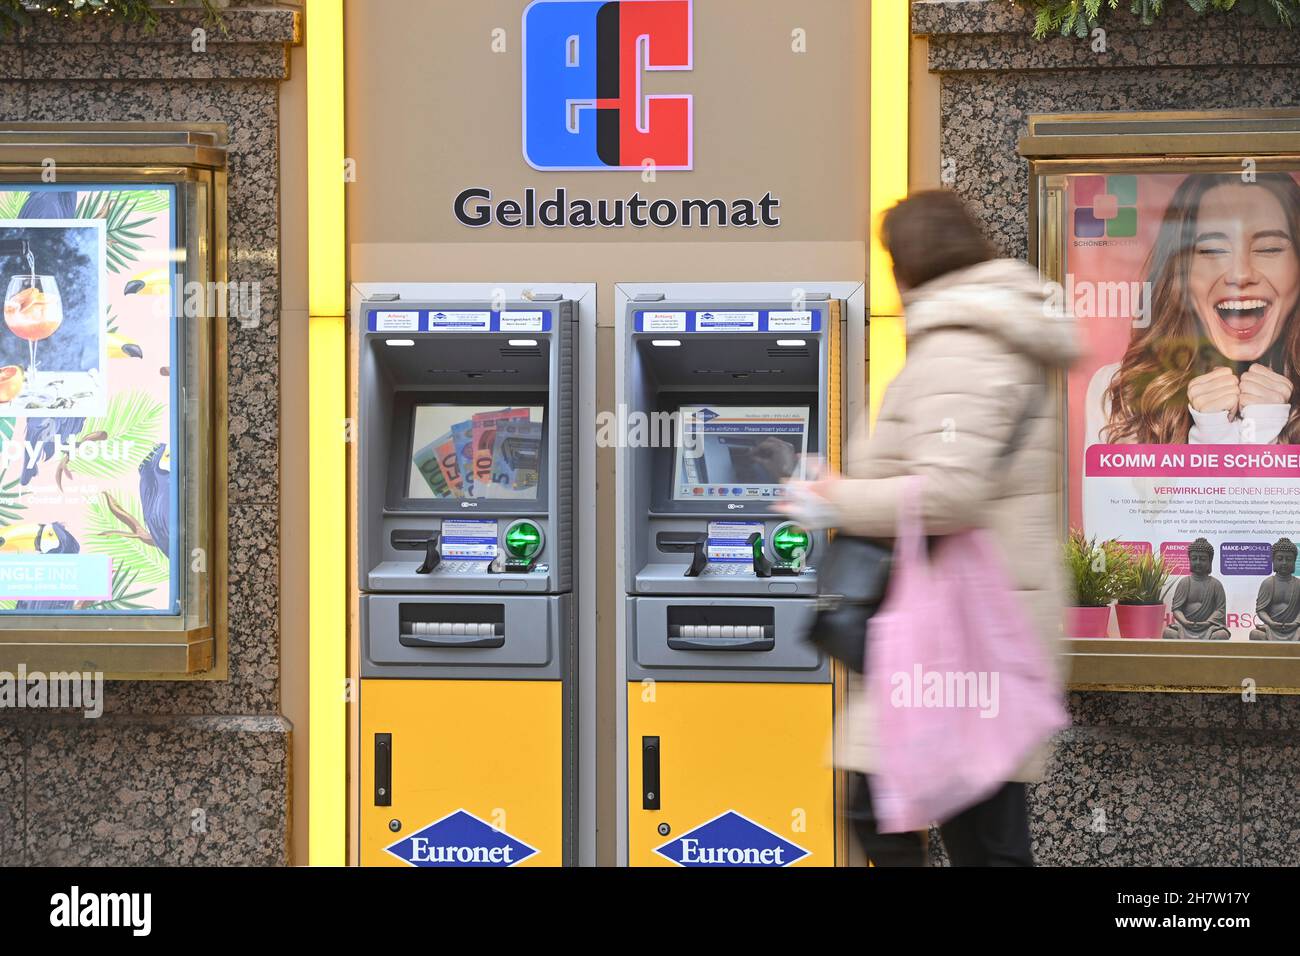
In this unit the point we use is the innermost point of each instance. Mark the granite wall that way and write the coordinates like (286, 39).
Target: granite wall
(1140, 779)
(176, 772)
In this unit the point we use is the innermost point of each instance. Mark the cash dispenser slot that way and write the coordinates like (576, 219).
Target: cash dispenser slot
(712, 628)
(452, 625)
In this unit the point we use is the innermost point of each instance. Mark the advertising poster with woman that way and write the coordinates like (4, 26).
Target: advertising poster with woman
(87, 502)
(1184, 416)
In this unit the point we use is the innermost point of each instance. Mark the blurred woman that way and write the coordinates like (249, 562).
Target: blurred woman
(981, 341)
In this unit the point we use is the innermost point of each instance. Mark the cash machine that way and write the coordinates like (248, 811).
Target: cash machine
(467, 463)
(728, 714)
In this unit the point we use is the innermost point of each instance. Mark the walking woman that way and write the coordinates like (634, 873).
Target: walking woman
(981, 343)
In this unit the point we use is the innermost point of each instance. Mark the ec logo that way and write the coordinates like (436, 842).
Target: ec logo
(584, 107)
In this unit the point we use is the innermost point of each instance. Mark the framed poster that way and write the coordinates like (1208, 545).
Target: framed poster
(1179, 256)
(88, 402)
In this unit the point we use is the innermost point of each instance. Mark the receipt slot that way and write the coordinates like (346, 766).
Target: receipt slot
(728, 713)
(466, 470)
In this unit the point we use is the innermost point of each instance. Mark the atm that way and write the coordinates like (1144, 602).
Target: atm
(727, 712)
(467, 473)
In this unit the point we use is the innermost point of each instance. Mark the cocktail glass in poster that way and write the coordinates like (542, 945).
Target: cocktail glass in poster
(1184, 416)
(88, 508)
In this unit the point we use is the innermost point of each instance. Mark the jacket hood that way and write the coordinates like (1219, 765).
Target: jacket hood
(1005, 298)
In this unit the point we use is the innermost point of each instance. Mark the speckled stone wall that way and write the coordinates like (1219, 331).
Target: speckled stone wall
(1140, 779)
(176, 772)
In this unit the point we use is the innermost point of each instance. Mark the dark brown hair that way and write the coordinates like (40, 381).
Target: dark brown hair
(930, 234)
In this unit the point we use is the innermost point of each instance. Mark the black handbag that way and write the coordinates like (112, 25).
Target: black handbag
(851, 583)
(853, 578)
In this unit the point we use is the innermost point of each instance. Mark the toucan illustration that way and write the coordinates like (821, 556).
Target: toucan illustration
(118, 347)
(155, 495)
(38, 539)
(41, 433)
(50, 204)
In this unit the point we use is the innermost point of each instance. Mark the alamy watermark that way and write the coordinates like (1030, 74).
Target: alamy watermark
(37, 690)
(945, 689)
(1086, 299)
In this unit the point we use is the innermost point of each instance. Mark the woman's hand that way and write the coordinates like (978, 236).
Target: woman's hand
(1217, 391)
(1263, 386)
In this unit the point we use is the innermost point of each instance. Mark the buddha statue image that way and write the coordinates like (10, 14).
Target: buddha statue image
(1199, 604)
(1277, 608)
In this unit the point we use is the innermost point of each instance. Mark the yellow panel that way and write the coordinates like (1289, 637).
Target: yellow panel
(887, 349)
(891, 40)
(757, 749)
(327, 580)
(326, 225)
(491, 748)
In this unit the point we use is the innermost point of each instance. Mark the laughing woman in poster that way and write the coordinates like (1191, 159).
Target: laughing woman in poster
(1217, 359)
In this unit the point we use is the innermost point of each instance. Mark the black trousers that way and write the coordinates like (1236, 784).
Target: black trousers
(994, 832)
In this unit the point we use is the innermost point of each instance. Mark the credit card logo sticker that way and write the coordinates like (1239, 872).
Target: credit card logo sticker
(731, 840)
(461, 839)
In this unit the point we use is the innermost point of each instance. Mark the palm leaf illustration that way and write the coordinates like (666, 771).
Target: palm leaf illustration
(151, 200)
(115, 208)
(124, 598)
(131, 417)
(150, 565)
(12, 504)
(11, 202)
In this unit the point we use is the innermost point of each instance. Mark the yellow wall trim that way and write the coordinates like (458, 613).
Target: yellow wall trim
(327, 492)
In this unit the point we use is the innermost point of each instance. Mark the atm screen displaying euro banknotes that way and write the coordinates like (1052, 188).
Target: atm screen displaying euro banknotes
(476, 452)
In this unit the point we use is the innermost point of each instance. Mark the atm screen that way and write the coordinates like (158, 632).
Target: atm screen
(730, 451)
(476, 451)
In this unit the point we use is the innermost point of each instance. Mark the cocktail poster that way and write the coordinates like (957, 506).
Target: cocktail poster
(88, 508)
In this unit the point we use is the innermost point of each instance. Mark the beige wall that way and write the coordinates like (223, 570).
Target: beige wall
(432, 110)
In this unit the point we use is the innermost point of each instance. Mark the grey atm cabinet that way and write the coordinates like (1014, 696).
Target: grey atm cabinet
(464, 392)
(725, 711)
(467, 462)
(698, 607)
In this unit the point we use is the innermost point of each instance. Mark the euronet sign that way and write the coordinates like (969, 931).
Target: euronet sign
(585, 109)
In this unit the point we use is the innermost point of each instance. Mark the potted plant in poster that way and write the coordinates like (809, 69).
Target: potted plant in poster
(1096, 572)
(1140, 610)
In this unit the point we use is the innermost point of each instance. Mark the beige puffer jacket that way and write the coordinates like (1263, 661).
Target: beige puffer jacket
(978, 341)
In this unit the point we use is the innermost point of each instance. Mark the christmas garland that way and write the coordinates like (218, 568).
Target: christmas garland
(19, 13)
(1080, 17)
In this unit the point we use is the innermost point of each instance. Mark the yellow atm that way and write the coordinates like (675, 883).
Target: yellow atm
(727, 713)
(467, 463)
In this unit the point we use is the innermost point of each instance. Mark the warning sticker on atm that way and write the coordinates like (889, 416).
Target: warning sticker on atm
(468, 540)
(661, 322)
(396, 321)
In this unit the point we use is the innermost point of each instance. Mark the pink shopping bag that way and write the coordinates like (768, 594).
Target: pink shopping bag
(963, 688)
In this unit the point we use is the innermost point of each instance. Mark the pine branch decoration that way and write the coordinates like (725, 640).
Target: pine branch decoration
(1080, 17)
(143, 13)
